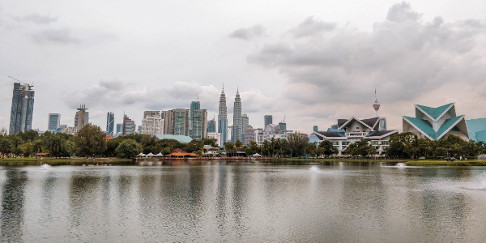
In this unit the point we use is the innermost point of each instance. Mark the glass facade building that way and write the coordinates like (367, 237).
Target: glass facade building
(54, 122)
(22, 108)
(110, 123)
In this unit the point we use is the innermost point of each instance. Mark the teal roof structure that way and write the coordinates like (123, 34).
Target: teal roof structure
(477, 129)
(179, 138)
(423, 126)
(427, 129)
(434, 112)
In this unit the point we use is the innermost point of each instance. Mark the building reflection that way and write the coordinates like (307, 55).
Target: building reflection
(13, 200)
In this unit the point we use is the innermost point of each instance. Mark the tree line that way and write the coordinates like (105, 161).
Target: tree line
(91, 141)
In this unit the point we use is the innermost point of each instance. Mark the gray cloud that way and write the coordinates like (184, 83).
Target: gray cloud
(36, 18)
(311, 27)
(402, 12)
(248, 33)
(59, 36)
(403, 56)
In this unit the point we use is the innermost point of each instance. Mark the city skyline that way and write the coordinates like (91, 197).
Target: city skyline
(310, 63)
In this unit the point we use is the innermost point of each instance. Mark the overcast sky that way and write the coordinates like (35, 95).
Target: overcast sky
(311, 62)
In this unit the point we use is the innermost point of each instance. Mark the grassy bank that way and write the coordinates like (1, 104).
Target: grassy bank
(324, 160)
(63, 161)
(446, 163)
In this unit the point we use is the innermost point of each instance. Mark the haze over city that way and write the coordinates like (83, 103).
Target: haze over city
(311, 63)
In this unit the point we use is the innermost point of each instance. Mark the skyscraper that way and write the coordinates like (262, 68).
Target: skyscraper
(54, 122)
(119, 127)
(268, 120)
(176, 122)
(237, 124)
(81, 118)
(212, 125)
(195, 105)
(22, 108)
(110, 123)
(128, 126)
(223, 119)
(152, 123)
(199, 124)
(245, 122)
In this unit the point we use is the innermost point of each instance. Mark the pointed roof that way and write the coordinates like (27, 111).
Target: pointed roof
(426, 128)
(371, 122)
(435, 113)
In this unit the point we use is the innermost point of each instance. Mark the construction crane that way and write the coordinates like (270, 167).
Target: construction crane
(20, 81)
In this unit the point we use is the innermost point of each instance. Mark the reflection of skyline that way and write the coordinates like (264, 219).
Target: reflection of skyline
(13, 199)
(240, 202)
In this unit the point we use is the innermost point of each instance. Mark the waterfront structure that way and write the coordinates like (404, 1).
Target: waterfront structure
(176, 122)
(152, 123)
(81, 118)
(236, 132)
(212, 125)
(199, 124)
(267, 120)
(215, 135)
(476, 129)
(54, 122)
(22, 108)
(348, 131)
(110, 123)
(128, 126)
(436, 123)
(223, 119)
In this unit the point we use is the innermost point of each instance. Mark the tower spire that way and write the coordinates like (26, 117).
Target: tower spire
(376, 105)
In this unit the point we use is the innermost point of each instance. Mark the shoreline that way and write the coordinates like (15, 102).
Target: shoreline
(116, 161)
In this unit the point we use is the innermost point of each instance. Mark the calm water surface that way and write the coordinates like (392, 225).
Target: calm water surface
(238, 202)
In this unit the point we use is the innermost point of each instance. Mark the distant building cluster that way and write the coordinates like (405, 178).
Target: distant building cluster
(188, 124)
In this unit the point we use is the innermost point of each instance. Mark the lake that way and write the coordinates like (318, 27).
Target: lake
(243, 202)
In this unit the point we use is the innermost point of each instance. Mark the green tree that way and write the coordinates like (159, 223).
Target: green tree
(297, 144)
(403, 145)
(238, 144)
(361, 148)
(229, 147)
(128, 148)
(327, 148)
(90, 141)
(195, 146)
(210, 141)
(5, 145)
(167, 146)
(252, 148)
(27, 148)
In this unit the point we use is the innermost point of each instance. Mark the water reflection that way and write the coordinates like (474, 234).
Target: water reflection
(13, 199)
(224, 201)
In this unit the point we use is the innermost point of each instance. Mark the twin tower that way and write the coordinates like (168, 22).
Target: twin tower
(237, 128)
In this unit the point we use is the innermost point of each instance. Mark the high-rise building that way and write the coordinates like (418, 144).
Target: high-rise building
(54, 122)
(119, 128)
(245, 122)
(195, 105)
(223, 119)
(282, 127)
(249, 135)
(199, 123)
(128, 126)
(22, 108)
(152, 123)
(176, 122)
(315, 128)
(81, 118)
(212, 125)
(237, 125)
(110, 123)
(268, 120)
